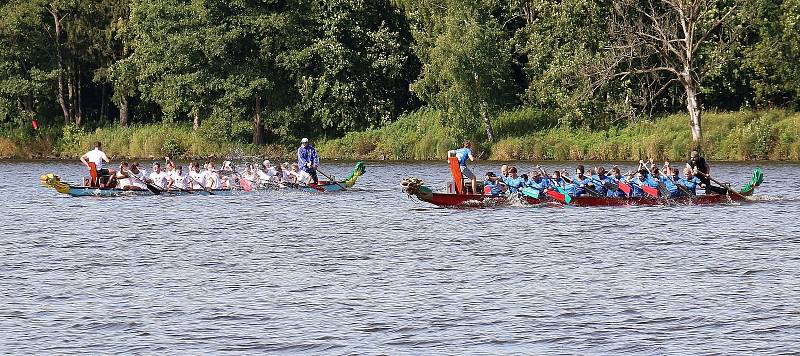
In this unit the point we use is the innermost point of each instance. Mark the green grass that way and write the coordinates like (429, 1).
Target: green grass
(524, 134)
(529, 135)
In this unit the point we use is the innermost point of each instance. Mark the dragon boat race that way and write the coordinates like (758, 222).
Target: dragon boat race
(399, 177)
(373, 270)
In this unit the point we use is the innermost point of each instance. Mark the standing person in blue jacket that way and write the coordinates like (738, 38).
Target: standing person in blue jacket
(307, 159)
(462, 154)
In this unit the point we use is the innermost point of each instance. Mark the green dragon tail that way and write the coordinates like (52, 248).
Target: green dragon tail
(358, 171)
(756, 180)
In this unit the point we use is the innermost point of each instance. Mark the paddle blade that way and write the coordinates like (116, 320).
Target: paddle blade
(567, 197)
(650, 190)
(531, 192)
(625, 188)
(246, 186)
(556, 195)
(153, 188)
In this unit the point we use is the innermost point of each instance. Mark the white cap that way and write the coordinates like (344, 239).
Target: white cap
(304, 140)
(266, 162)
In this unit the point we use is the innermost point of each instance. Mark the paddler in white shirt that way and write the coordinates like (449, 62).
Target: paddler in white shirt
(158, 177)
(138, 177)
(177, 180)
(197, 179)
(213, 180)
(267, 172)
(122, 178)
(301, 177)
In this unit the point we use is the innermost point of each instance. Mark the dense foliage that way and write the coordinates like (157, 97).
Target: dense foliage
(270, 71)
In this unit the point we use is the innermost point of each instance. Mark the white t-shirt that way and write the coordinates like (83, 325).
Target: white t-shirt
(213, 180)
(199, 180)
(138, 182)
(159, 179)
(97, 157)
(178, 180)
(302, 177)
(267, 176)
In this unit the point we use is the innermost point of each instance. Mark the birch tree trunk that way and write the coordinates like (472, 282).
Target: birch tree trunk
(487, 121)
(196, 121)
(693, 107)
(62, 100)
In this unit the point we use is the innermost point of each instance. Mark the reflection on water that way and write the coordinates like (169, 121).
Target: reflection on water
(372, 271)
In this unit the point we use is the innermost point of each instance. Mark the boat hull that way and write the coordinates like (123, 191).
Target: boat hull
(414, 187)
(53, 181)
(476, 200)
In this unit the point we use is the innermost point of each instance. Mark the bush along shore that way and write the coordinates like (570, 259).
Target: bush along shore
(520, 135)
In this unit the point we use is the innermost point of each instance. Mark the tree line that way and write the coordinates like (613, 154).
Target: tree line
(262, 71)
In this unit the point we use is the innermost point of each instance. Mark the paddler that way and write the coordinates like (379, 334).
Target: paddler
(158, 177)
(122, 178)
(493, 185)
(307, 159)
(689, 180)
(514, 182)
(462, 154)
(616, 178)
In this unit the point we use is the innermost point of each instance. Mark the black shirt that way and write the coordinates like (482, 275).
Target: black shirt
(701, 164)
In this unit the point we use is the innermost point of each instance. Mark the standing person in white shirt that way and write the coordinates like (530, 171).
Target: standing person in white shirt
(177, 180)
(98, 157)
(158, 177)
(197, 180)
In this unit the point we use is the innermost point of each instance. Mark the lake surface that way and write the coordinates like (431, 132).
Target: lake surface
(371, 271)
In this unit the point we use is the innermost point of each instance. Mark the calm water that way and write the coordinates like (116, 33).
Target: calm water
(373, 272)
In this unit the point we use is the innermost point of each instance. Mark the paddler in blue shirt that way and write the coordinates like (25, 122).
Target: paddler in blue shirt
(462, 154)
(689, 180)
(513, 181)
(598, 180)
(577, 186)
(492, 185)
(537, 182)
(616, 178)
(557, 180)
(636, 183)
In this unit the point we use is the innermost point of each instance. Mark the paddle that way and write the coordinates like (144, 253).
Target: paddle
(647, 189)
(206, 189)
(726, 186)
(531, 192)
(561, 195)
(591, 191)
(330, 179)
(244, 183)
(683, 189)
(152, 187)
(661, 186)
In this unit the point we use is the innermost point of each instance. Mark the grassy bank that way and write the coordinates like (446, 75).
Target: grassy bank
(135, 141)
(745, 135)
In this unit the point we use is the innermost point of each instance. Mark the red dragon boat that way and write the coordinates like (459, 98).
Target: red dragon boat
(460, 197)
